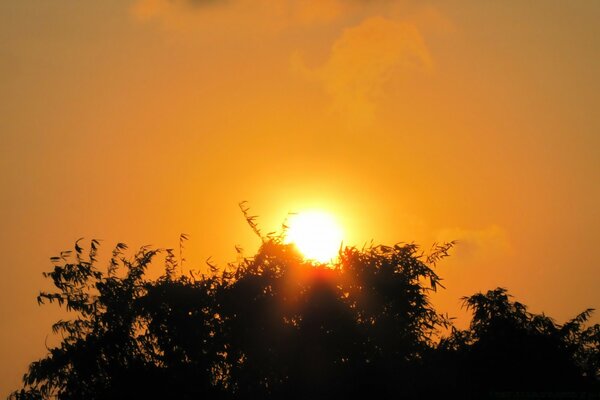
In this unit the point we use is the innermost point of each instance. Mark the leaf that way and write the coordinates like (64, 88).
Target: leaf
(213, 268)
(78, 248)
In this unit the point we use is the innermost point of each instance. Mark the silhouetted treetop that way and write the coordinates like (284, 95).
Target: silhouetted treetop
(278, 326)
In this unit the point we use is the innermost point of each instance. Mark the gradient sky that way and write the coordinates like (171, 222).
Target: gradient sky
(138, 120)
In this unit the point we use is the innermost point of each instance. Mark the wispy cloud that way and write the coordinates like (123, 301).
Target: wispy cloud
(188, 14)
(371, 41)
(490, 241)
(363, 59)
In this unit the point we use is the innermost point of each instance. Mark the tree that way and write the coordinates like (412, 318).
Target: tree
(130, 337)
(277, 326)
(509, 349)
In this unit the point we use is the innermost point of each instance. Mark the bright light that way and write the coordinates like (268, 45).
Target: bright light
(316, 234)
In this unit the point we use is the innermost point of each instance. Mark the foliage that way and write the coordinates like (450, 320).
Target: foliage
(277, 326)
(509, 349)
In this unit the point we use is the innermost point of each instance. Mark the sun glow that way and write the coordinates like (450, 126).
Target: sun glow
(316, 234)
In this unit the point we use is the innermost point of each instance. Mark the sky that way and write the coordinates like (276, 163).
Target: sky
(134, 121)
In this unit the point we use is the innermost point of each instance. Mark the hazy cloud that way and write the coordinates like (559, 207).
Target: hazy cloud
(186, 14)
(386, 42)
(475, 243)
(362, 60)
(269, 14)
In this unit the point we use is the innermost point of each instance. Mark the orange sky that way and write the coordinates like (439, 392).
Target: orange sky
(419, 121)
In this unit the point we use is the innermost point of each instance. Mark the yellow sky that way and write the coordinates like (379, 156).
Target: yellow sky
(419, 121)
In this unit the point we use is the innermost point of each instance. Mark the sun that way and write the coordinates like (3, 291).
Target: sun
(316, 234)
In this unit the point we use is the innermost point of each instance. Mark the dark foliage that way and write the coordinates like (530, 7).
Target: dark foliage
(510, 350)
(275, 326)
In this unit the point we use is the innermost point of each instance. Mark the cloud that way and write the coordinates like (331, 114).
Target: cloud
(284, 13)
(477, 243)
(386, 42)
(363, 59)
(259, 14)
(310, 11)
(178, 14)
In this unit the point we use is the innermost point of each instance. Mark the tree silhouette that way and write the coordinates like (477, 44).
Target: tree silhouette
(509, 349)
(277, 326)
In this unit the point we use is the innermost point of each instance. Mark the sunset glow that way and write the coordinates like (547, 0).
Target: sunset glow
(316, 234)
(378, 121)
